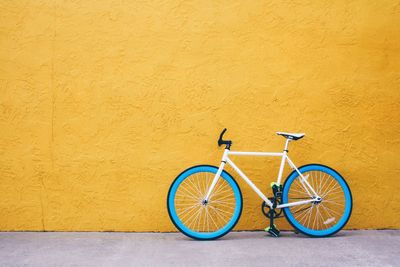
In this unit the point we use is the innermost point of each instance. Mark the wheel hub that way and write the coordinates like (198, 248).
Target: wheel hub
(204, 202)
(317, 200)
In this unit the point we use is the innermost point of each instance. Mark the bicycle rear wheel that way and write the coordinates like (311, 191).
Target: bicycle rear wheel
(199, 220)
(318, 219)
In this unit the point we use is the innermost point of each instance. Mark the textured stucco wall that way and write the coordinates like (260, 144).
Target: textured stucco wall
(103, 103)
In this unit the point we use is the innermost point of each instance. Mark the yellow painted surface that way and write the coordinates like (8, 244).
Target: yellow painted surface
(103, 103)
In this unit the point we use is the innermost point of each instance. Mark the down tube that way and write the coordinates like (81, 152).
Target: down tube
(247, 180)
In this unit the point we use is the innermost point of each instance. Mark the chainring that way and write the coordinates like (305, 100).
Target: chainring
(265, 209)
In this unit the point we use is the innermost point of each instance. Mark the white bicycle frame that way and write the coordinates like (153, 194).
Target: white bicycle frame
(303, 179)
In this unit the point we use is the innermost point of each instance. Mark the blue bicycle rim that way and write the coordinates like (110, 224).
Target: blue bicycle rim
(347, 210)
(202, 235)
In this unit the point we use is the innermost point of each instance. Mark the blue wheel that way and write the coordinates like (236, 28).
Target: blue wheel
(319, 218)
(199, 219)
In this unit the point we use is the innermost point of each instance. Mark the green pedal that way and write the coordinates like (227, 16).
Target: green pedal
(273, 231)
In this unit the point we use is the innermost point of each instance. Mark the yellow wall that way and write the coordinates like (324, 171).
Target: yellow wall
(103, 103)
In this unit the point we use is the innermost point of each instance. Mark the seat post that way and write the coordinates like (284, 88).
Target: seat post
(287, 145)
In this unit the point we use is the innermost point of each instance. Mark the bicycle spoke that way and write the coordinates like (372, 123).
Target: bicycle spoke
(301, 192)
(189, 192)
(331, 210)
(222, 192)
(186, 197)
(323, 191)
(334, 187)
(212, 219)
(333, 202)
(228, 203)
(187, 208)
(195, 187)
(220, 215)
(188, 185)
(323, 184)
(315, 218)
(306, 215)
(301, 207)
(218, 191)
(223, 211)
(186, 214)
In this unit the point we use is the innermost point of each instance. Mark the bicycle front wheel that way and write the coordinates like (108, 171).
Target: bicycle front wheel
(318, 219)
(199, 220)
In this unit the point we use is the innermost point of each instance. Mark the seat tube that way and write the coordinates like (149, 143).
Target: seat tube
(281, 167)
(218, 174)
(283, 161)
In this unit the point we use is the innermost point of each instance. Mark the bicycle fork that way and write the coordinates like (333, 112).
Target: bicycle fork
(217, 175)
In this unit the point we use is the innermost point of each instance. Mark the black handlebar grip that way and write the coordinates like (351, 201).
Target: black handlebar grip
(220, 142)
(222, 134)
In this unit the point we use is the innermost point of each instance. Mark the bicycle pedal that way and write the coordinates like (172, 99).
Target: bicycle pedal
(273, 231)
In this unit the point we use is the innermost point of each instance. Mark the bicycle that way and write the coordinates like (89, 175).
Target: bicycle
(205, 202)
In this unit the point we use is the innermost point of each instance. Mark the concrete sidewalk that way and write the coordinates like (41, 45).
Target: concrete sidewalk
(348, 248)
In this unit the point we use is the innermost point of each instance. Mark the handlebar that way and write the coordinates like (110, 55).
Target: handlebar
(221, 142)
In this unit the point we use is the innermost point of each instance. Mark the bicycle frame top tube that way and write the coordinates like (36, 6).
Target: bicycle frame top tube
(262, 154)
(266, 154)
